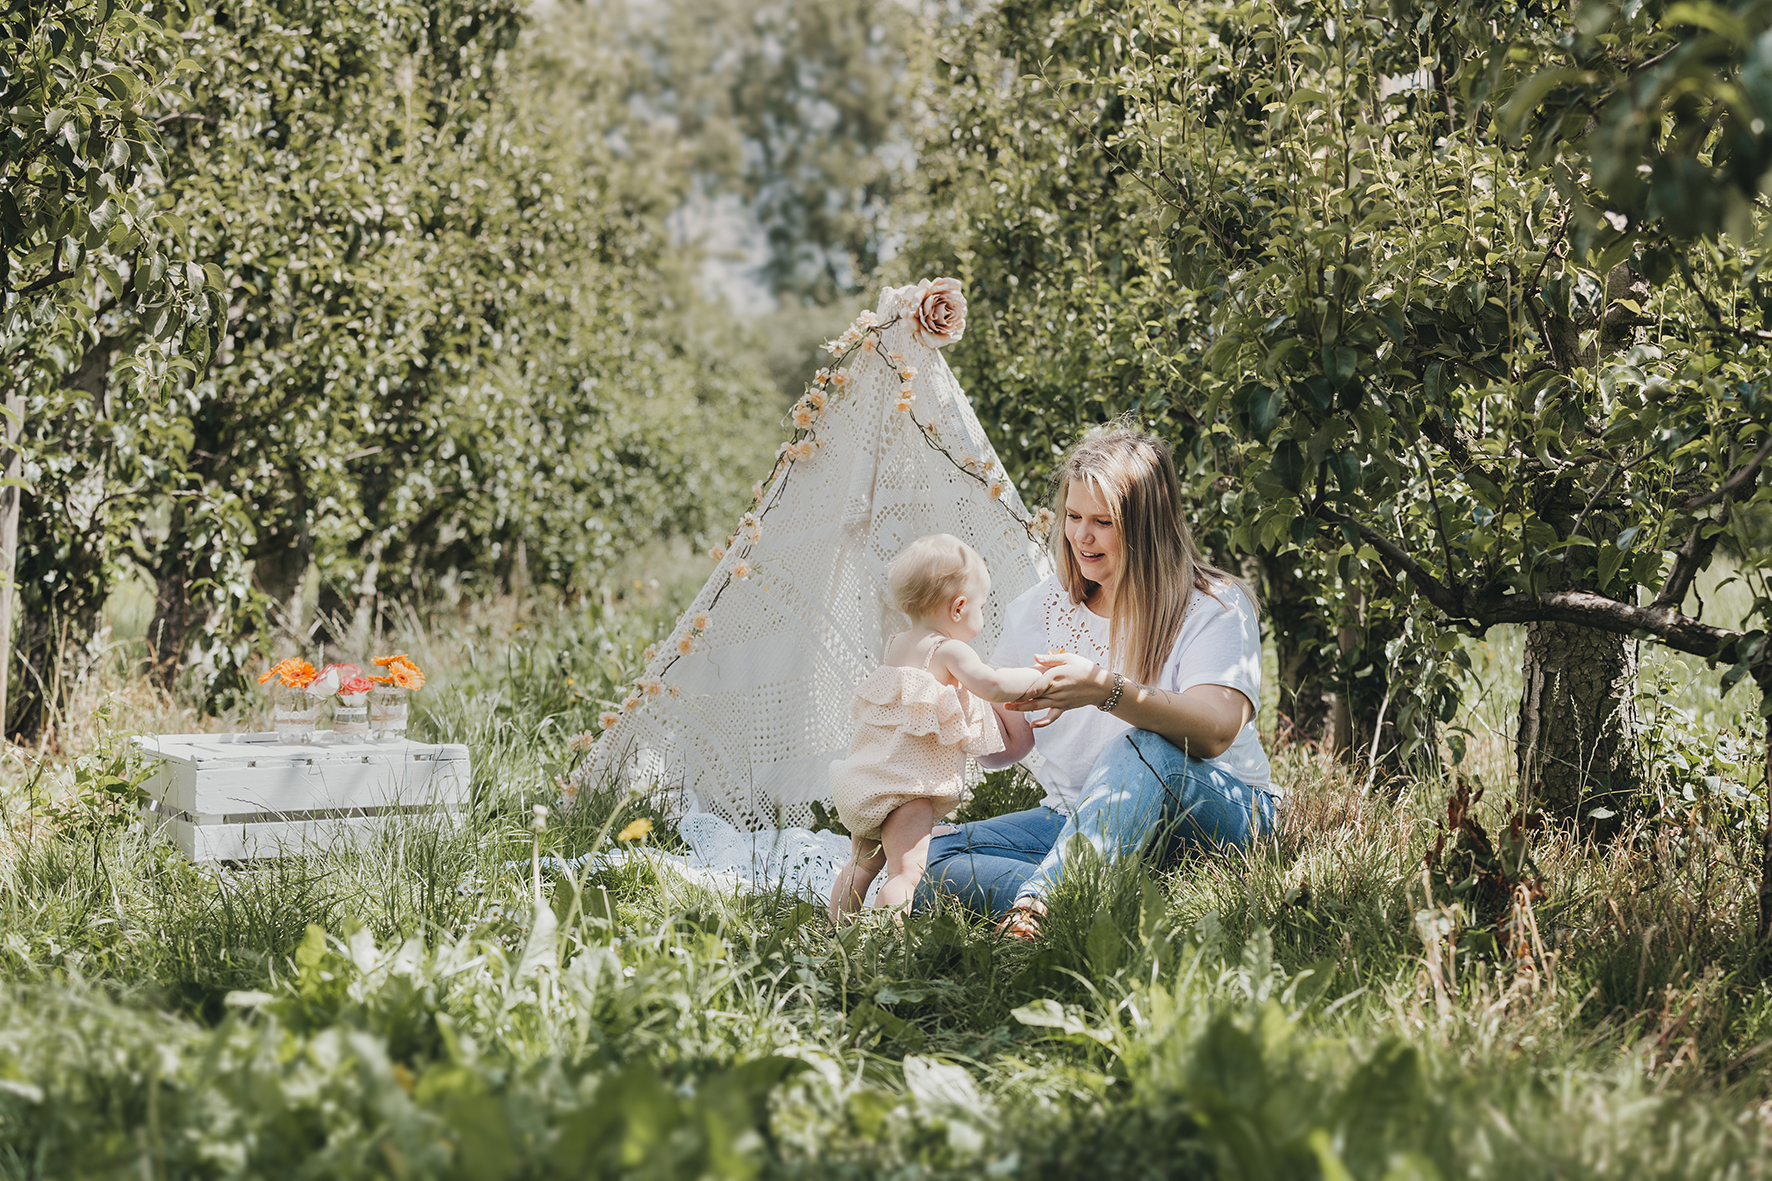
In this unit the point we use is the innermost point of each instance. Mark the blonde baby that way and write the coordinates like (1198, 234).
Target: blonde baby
(919, 716)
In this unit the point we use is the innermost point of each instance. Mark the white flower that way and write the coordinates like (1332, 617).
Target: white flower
(324, 685)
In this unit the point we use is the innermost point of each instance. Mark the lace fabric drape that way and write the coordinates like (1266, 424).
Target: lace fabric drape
(746, 724)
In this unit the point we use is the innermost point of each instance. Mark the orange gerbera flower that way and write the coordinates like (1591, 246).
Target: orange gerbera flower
(402, 672)
(293, 673)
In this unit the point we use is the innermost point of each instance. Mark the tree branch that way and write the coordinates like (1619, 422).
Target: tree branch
(1734, 483)
(1485, 609)
(1688, 559)
(1710, 305)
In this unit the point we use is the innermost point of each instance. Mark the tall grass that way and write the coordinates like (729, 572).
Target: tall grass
(1318, 1006)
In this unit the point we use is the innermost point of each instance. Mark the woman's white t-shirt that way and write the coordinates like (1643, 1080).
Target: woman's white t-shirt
(1219, 644)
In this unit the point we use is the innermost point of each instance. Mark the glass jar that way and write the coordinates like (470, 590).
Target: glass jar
(350, 716)
(293, 716)
(389, 708)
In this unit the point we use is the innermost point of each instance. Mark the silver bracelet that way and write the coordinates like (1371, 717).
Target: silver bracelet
(1107, 707)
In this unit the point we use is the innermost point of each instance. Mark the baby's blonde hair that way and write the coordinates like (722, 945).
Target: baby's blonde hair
(930, 572)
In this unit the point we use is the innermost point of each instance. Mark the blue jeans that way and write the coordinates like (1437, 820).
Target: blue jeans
(1141, 785)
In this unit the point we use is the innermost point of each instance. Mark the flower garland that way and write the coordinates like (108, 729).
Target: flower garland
(938, 313)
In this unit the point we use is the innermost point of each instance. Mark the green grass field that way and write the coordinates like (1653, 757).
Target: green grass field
(1316, 1008)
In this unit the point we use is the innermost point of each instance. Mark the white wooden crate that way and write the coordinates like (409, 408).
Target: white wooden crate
(224, 797)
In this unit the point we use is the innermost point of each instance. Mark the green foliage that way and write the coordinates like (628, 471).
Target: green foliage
(454, 348)
(1408, 358)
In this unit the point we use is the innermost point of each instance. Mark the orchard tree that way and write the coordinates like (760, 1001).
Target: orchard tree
(89, 265)
(1486, 315)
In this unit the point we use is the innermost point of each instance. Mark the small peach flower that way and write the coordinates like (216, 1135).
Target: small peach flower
(997, 489)
(742, 570)
(700, 622)
(584, 741)
(649, 654)
(651, 686)
(816, 400)
(895, 356)
(686, 645)
(871, 340)
(674, 692)
(608, 718)
(630, 705)
(840, 378)
(908, 373)
(1043, 520)
(802, 417)
(804, 450)
(904, 406)
(717, 552)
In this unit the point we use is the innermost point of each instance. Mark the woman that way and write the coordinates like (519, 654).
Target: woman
(1152, 662)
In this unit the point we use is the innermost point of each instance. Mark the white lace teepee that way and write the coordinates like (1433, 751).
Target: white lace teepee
(741, 710)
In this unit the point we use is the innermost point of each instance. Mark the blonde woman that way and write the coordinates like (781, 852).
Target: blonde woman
(1152, 671)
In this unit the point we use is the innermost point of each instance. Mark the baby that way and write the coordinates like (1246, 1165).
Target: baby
(920, 716)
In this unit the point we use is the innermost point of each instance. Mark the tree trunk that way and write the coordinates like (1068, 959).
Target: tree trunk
(1577, 712)
(1306, 697)
(1766, 846)
(1577, 719)
(10, 469)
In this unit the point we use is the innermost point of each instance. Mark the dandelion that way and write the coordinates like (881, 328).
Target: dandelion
(608, 718)
(686, 645)
(635, 830)
(742, 570)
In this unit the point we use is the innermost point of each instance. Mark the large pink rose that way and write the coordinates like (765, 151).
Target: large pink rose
(938, 312)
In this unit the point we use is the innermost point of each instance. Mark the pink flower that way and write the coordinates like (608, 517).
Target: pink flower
(938, 317)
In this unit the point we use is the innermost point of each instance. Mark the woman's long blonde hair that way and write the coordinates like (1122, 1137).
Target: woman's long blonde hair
(1160, 566)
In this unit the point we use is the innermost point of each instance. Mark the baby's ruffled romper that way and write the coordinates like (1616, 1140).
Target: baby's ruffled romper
(912, 742)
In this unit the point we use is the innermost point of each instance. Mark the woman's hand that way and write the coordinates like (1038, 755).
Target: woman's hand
(1069, 682)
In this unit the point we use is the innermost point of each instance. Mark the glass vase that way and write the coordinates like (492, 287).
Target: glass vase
(350, 716)
(389, 708)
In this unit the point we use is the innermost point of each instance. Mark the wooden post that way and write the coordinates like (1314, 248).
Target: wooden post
(11, 468)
